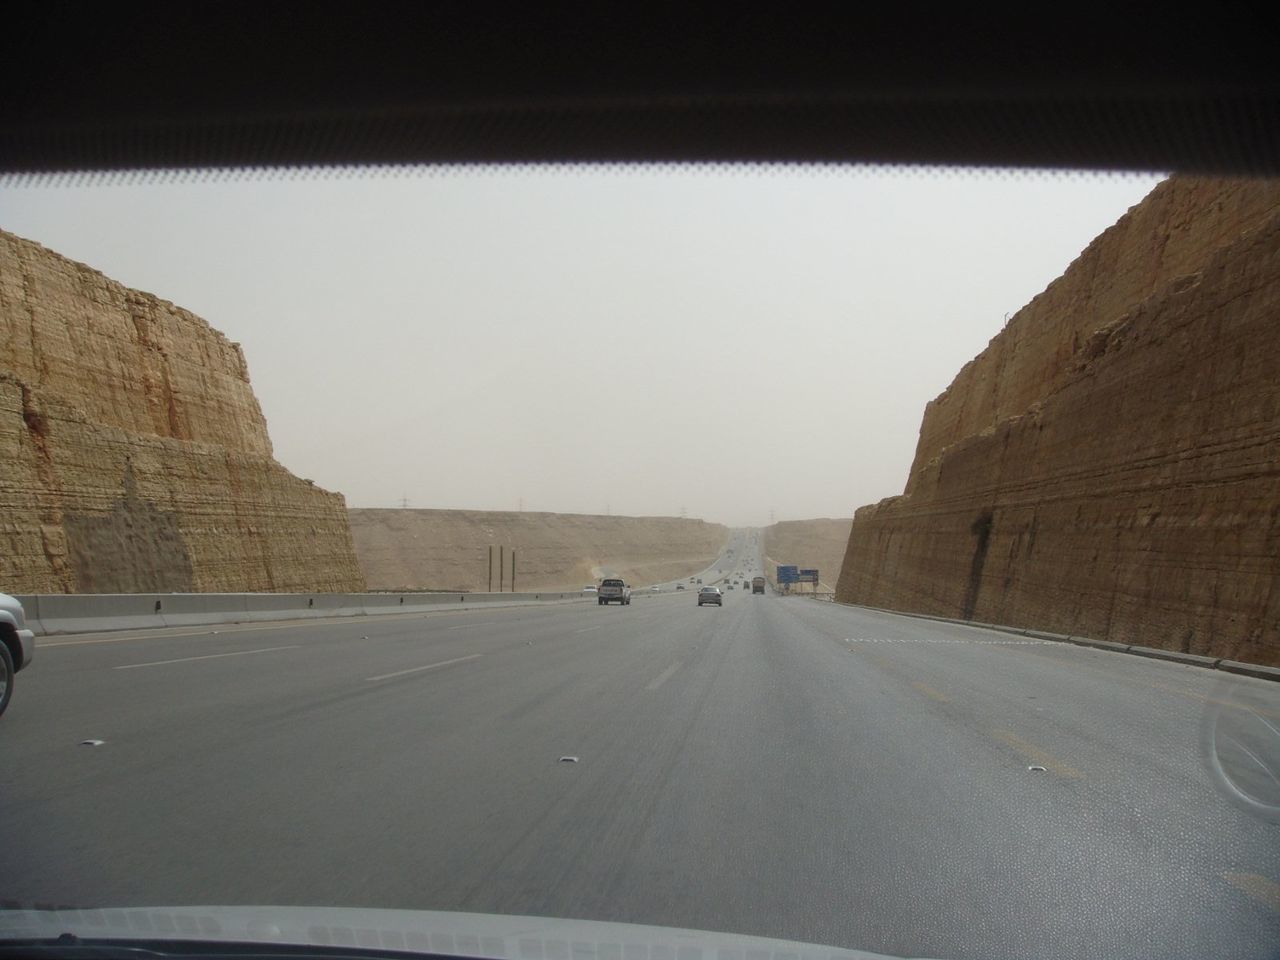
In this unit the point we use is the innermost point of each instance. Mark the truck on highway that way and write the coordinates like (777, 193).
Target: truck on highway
(612, 590)
(757, 584)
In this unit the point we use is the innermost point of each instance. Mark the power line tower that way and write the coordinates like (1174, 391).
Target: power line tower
(404, 503)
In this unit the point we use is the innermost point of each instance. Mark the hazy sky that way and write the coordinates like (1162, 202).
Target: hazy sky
(727, 341)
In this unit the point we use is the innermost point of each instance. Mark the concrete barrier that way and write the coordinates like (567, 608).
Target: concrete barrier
(66, 613)
(199, 609)
(1177, 656)
(376, 604)
(1100, 644)
(281, 606)
(81, 614)
(1250, 669)
(1046, 635)
(31, 612)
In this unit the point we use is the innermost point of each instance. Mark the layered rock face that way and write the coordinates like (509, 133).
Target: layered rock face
(1110, 465)
(136, 456)
(449, 549)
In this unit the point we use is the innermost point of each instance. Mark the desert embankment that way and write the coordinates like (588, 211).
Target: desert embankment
(817, 544)
(449, 549)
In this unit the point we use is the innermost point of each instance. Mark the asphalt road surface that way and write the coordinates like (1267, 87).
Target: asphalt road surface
(779, 766)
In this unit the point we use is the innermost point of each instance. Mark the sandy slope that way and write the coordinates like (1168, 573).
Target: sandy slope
(449, 549)
(807, 543)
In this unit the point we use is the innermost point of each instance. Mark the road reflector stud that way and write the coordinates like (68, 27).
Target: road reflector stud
(568, 759)
(1036, 768)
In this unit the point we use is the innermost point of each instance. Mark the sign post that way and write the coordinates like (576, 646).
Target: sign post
(787, 575)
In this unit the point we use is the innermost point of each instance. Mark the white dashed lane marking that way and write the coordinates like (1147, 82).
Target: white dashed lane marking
(208, 656)
(429, 666)
(663, 677)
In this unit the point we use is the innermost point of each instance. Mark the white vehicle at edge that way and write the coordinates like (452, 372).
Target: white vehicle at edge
(17, 646)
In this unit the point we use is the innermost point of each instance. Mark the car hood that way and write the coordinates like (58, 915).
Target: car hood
(12, 605)
(411, 931)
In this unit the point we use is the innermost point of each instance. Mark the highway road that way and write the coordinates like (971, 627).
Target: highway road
(778, 766)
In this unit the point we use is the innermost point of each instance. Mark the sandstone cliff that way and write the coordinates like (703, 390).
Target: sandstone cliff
(449, 549)
(1110, 465)
(136, 456)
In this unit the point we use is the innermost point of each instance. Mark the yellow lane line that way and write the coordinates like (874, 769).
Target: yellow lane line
(930, 692)
(1154, 684)
(1207, 699)
(1037, 756)
(1266, 892)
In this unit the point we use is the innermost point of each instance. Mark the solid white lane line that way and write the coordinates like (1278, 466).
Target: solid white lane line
(664, 676)
(467, 626)
(208, 656)
(163, 636)
(429, 666)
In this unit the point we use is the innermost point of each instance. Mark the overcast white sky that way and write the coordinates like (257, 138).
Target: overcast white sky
(729, 342)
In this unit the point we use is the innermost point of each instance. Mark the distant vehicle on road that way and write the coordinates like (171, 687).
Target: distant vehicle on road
(710, 595)
(613, 590)
(589, 588)
(679, 586)
(17, 645)
(757, 585)
(654, 589)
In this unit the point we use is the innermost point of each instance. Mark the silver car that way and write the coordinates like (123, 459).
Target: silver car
(710, 595)
(17, 645)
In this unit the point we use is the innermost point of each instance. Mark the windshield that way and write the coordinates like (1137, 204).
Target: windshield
(301, 488)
